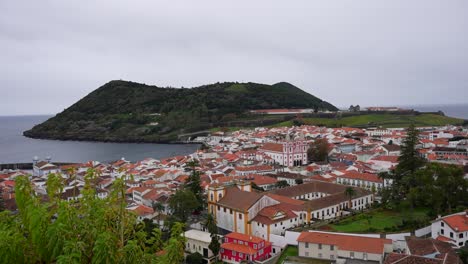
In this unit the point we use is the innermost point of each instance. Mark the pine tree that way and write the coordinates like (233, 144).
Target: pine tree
(2, 201)
(215, 245)
(194, 183)
(409, 162)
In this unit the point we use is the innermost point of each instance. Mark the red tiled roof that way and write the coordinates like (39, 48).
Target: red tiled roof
(237, 199)
(239, 248)
(262, 180)
(459, 222)
(393, 159)
(276, 147)
(346, 242)
(243, 237)
(362, 176)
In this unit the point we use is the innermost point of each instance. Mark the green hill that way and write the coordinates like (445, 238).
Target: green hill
(134, 112)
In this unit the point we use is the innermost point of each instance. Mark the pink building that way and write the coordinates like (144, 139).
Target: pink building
(287, 153)
(238, 247)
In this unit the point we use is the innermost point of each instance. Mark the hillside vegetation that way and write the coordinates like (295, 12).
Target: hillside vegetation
(129, 111)
(384, 120)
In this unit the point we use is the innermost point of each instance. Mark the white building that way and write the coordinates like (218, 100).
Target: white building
(198, 241)
(237, 209)
(287, 153)
(332, 246)
(452, 229)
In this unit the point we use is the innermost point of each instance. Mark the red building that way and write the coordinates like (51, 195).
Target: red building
(238, 247)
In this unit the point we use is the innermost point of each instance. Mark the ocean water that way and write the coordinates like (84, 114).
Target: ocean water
(453, 110)
(15, 148)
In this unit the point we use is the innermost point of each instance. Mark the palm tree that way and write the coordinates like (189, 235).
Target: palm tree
(158, 207)
(350, 192)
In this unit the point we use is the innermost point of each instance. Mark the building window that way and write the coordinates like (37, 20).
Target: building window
(460, 235)
(255, 246)
(364, 256)
(351, 254)
(241, 242)
(442, 224)
(240, 216)
(319, 246)
(222, 250)
(332, 247)
(320, 255)
(451, 234)
(230, 211)
(241, 255)
(234, 253)
(441, 231)
(307, 245)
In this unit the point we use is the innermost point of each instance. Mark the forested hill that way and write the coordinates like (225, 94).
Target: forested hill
(129, 111)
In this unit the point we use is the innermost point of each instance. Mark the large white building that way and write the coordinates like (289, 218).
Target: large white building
(332, 246)
(287, 153)
(237, 209)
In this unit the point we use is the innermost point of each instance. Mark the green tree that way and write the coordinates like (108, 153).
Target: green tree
(281, 184)
(183, 203)
(176, 245)
(89, 230)
(2, 201)
(409, 161)
(194, 258)
(215, 245)
(318, 150)
(194, 183)
(158, 208)
(256, 187)
(299, 181)
(350, 192)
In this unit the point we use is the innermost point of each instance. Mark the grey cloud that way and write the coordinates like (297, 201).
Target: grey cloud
(346, 52)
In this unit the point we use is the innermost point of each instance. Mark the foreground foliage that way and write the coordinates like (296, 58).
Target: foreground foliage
(89, 230)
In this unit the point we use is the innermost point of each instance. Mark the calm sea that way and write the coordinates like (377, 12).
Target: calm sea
(453, 110)
(15, 148)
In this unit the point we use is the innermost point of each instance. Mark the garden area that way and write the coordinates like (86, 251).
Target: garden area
(288, 251)
(290, 255)
(381, 221)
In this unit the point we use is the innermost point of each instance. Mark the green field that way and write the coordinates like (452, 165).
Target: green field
(289, 251)
(379, 220)
(384, 120)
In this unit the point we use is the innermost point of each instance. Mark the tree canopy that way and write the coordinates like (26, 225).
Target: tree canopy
(318, 150)
(87, 230)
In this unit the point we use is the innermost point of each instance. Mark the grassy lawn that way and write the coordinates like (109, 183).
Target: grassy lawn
(289, 251)
(227, 129)
(379, 220)
(385, 120)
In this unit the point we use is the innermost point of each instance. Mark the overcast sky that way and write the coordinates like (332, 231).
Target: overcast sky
(376, 52)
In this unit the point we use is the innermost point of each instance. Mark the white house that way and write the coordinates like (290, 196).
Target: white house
(452, 229)
(334, 247)
(198, 241)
